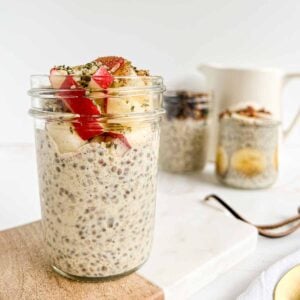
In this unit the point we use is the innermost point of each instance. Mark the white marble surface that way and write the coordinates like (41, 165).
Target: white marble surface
(19, 204)
(194, 242)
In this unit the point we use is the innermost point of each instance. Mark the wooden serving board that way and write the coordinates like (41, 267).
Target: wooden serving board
(26, 275)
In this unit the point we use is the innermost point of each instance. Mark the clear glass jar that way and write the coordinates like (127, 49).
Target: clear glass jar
(247, 153)
(97, 174)
(184, 131)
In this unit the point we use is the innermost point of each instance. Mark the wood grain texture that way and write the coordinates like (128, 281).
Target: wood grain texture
(26, 275)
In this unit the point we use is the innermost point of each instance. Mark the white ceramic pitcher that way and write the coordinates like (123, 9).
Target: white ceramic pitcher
(233, 86)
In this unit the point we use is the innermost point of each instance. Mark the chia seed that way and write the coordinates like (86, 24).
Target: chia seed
(93, 230)
(183, 145)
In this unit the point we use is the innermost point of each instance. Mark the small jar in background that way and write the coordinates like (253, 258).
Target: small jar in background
(184, 131)
(247, 152)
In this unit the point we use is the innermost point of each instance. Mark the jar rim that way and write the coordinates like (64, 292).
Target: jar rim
(187, 96)
(145, 116)
(42, 89)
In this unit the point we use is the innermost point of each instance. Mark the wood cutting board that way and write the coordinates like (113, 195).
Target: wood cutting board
(26, 275)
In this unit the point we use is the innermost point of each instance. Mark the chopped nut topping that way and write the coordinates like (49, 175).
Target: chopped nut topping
(249, 111)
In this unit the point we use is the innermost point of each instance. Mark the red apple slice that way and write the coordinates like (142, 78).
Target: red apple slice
(87, 127)
(102, 78)
(57, 77)
(79, 104)
(76, 101)
(112, 62)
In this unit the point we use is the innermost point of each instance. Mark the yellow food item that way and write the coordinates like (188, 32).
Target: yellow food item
(248, 161)
(288, 288)
(65, 136)
(139, 134)
(221, 161)
(129, 104)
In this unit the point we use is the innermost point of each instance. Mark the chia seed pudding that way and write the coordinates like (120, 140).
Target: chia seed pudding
(184, 132)
(97, 180)
(247, 153)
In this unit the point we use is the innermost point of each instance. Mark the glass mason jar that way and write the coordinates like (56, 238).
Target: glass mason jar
(247, 153)
(97, 174)
(184, 131)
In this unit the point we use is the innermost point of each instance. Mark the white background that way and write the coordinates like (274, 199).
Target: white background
(169, 37)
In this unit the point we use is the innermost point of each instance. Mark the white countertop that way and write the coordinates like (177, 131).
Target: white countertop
(19, 204)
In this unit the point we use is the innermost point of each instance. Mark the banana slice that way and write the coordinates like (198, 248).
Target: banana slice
(123, 105)
(248, 161)
(132, 103)
(129, 104)
(57, 77)
(65, 136)
(221, 161)
(139, 134)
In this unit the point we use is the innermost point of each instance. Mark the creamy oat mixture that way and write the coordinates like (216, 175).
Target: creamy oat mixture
(97, 178)
(184, 132)
(247, 153)
(98, 205)
(183, 145)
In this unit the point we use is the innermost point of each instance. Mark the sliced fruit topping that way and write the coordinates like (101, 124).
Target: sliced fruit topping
(100, 99)
(87, 127)
(221, 161)
(125, 70)
(57, 77)
(249, 161)
(113, 63)
(129, 71)
(64, 136)
(139, 134)
(129, 104)
(95, 78)
(76, 101)
(102, 78)
(105, 105)
(79, 104)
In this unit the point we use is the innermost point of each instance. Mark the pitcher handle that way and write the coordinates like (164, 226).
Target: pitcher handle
(288, 77)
